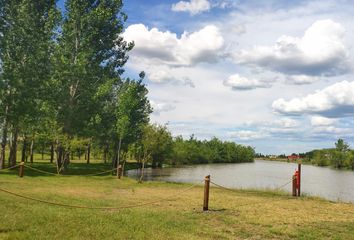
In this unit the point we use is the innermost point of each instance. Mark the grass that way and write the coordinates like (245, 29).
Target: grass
(239, 214)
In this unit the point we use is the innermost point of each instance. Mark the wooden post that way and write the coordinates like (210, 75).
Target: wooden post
(21, 169)
(119, 171)
(294, 185)
(299, 180)
(206, 193)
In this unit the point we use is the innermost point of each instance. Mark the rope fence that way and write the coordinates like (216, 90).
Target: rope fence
(171, 197)
(9, 168)
(56, 174)
(296, 183)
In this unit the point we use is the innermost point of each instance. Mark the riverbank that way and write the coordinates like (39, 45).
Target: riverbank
(174, 214)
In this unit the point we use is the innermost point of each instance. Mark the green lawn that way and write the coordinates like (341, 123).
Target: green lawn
(234, 215)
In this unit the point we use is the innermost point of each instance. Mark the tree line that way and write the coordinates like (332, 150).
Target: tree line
(62, 92)
(160, 148)
(340, 157)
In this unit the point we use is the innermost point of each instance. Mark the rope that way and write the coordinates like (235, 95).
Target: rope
(97, 208)
(9, 168)
(233, 190)
(94, 174)
(60, 175)
(228, 189)
(41, 171)
(283, 185)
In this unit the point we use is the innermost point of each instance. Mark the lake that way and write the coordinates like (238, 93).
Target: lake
(324, 182)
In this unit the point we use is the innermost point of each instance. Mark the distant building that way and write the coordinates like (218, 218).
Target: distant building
(293, 157)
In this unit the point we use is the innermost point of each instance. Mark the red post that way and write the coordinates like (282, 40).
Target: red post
(206, 193)
(299, 180)
(294, 185)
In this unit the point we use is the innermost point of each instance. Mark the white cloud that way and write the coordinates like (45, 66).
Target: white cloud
(317, 121)
(302, 79)
(336, 100)
(239, 29)
(286, 123)
(333, 130)
(164, 75)
(248, 135)
(160, 107)
(193, 7)
(158, 47)
(237, 82)
(320, 51)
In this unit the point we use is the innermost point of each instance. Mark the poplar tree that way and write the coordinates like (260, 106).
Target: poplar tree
(26, 41)
(89, 61)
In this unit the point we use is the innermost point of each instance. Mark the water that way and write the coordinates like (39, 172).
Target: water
(328, 183)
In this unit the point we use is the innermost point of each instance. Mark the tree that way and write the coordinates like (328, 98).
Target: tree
(156, 143)
(132, 113)
(341, 153)
(26, 42)
(89, 58)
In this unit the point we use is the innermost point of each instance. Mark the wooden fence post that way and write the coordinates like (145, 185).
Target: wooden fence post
(294, 185)
(299, 180)
(21, 169)
(119, 171)
(206, 193)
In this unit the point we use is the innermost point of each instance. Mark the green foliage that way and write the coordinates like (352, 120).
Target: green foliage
(132, 111)
(193, 151)
(339, 157)
(157, 144)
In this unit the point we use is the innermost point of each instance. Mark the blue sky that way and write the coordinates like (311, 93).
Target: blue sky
(276, 75)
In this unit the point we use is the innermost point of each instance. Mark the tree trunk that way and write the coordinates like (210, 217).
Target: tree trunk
(142, 173)
(118, 153)
(119, 147)
(105, 153)
(52, 152)
(3, 144)
(115, 157)
(13, 149)
(88, 153)
(59, 157)
(24, 149)
(31, 150)
(66, 160)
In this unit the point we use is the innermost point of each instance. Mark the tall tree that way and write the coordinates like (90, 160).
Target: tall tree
(132, 112)
(26, 39)
(90, 57)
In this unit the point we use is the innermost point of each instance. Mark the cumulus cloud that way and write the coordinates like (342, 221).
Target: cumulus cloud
(333, 101)
(333, 130)
(302, 79)
(237, 82)
(317, 121)
(164, 75)
(164, 47)
(160, 107)
(248, 135)
(320, 51)
(194, 7)
(286, 123)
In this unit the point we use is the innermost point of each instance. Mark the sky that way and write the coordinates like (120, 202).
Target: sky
(275, 75)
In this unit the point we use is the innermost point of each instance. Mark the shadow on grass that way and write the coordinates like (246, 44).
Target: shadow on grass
(74, 169)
